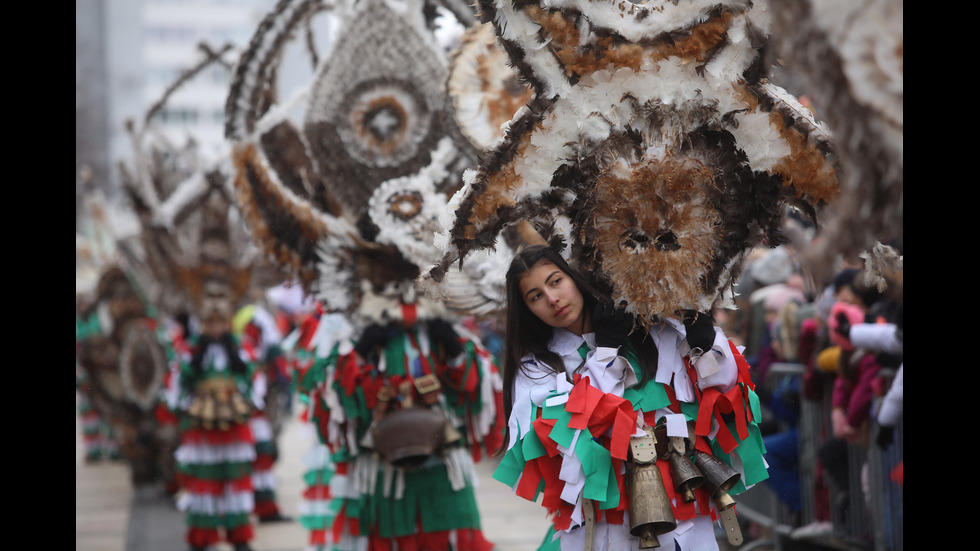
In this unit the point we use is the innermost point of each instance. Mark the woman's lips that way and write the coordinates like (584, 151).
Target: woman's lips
(561, 311)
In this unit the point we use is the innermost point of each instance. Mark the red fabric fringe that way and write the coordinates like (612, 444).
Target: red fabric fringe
(202, 537)
(263, 462)
(265, 508)
(317, 491)
(240, 433)
(318, 536)
(241, 534)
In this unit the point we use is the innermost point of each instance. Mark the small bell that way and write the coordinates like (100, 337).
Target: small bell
(223, 412)
(208, 414)
(241, 408)
(687, 477)
(196, 408)
(719, 479)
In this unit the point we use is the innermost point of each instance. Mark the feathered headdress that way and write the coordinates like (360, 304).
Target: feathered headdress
(654, 153)
(193, 253)
(349, 202)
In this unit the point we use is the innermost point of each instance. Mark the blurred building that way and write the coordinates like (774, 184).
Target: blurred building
(127, 52)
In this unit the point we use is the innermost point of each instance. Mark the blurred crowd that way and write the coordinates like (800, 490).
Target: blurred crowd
(833, 353)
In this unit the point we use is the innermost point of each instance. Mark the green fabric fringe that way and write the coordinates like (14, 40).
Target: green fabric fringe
(222, 471)
(199, 520)
(428, 499)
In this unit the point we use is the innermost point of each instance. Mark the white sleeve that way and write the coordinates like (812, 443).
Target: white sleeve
(891, 406)
(533, 383)
(876, 336)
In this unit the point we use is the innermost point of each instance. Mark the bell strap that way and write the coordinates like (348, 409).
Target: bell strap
(423, 359)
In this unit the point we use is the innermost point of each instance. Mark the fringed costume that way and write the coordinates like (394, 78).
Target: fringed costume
(404, 429)
(260, 341)
(315, 331)
(217, 448)
(570, 441)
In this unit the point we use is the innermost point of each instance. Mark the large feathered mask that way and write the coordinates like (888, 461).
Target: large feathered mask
(654, 152)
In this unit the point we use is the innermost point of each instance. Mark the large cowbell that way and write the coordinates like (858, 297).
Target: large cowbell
(650, 510)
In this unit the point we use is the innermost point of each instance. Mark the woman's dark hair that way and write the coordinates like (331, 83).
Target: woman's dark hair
(525, 333)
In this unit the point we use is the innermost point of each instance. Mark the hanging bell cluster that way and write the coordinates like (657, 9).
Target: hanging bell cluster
(218, 404)
(650, 510)
(705, 471)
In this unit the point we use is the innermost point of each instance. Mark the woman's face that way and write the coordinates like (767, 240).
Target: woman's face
(552, 295)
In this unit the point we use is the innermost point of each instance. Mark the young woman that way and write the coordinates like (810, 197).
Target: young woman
(584, 392)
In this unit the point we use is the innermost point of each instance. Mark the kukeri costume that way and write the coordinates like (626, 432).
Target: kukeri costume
(217, 449)
(348, 203)
(404, 428)
(260, 340)
(571, 438)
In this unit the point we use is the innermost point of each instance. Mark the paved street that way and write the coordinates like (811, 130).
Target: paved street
(110, 515)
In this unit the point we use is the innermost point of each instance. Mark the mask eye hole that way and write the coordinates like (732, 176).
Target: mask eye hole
(636, 241)
(666, 241)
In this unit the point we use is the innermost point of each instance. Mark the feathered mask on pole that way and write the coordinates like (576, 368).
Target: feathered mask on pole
(654, 152)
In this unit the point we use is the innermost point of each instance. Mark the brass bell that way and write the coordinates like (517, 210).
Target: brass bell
(208, 411)
(719, 477)
(407, 437)
(650, 510)
(223, 412)
(196, 408)
(241, 407)
(687, 477)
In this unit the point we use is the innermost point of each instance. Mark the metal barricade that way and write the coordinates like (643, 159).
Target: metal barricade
(865, 514)
(760, 504)
(814, 428)
(887, 496)
(867, 517)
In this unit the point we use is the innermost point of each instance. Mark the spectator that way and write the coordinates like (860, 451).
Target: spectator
(852, 393)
